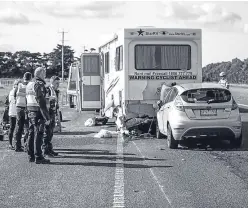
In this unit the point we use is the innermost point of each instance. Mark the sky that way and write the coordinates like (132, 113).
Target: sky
(35, 26)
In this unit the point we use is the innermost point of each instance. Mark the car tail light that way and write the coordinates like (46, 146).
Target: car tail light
(234, 105)
(178, 104)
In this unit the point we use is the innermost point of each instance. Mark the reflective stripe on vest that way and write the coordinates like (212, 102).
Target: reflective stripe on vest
(31, 95)
(21, 95)
(51, 97)
(12, 103)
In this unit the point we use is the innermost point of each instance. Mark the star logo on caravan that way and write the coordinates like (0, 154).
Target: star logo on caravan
(140, 32)
(164, 32)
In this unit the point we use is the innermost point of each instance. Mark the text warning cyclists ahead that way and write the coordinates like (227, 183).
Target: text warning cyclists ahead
(162, 76)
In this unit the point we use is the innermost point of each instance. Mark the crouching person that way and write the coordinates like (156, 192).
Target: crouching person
(53, 106)
(38, 115)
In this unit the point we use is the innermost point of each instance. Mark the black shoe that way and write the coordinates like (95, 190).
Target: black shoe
(42, 161)
(31, 159)
(19, 150)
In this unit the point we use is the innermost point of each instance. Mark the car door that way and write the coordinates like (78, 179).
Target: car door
(168, 106)
(160, 112)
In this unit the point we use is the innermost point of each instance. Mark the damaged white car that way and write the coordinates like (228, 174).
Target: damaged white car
(197, 111)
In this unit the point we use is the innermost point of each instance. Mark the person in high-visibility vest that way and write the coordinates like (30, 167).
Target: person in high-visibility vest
(223, 81)
(12, 112)
(38, 116)
(21, 118)
(53, 106)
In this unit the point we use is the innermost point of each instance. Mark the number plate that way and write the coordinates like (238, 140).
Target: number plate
(209, 112)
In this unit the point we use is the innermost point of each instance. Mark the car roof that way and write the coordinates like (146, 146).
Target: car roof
(191, 86)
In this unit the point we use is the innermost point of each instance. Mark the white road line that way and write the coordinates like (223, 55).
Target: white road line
(154, 177)
(118, 196)
(243, 105)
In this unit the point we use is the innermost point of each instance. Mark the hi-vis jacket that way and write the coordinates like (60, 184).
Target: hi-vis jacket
(12, 103)
(51, 98)
(224, 83)
(35, 94)
(21, 96)
(32, 103)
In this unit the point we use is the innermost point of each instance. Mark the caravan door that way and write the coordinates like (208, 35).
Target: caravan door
(90, 66)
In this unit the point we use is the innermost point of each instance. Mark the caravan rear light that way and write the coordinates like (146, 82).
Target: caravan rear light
(235, 105)
(178, 104)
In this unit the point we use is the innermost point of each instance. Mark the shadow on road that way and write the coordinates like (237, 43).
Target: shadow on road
(87, 152)
(97, 164)
(109, 158)
(243, 110)
(76, 133)
(65, 121)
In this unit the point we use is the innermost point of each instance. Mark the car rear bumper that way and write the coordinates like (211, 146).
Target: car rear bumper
(219, 129)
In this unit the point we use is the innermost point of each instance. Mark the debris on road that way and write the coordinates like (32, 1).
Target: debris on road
(96, 121)
(106, 134)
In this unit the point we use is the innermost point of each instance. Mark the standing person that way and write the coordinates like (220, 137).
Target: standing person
(53, 106)
(223, 81)
(12, 112)
(38, 115)
(21, 118)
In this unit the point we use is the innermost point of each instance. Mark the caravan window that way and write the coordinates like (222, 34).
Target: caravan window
(162, 57)
(107, 65)
(119, 58)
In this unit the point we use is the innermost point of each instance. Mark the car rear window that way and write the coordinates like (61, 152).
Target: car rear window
(206, 95)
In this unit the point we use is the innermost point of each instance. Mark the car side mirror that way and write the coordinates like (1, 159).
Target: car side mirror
(159, 104)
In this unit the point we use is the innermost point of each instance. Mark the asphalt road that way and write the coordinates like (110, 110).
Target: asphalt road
(241, 95)
(122, 172)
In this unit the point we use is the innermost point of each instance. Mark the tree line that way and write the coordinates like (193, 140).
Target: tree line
(14, 65)
(236, 71)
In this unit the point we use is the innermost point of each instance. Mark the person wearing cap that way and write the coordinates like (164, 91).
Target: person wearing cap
(53, 106)
(38, 115)
(21, 118)
(12, 112)
(223, 81)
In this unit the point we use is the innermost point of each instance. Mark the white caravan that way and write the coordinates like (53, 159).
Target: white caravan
(138, 61)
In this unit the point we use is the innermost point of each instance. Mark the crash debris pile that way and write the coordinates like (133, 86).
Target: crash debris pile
(96, 121)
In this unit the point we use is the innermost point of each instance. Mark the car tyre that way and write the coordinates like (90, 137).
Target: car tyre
(159, 135)
(172, 143)
(60, 113)
(236, 143)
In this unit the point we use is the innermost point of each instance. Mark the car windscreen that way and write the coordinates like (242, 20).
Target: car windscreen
(206, 95)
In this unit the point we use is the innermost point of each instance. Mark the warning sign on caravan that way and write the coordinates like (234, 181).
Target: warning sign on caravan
(162, 76)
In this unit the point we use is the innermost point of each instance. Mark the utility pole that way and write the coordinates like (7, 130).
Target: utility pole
(62, 55)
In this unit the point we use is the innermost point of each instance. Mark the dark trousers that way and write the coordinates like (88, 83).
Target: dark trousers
(12, 121)
(35, 137)
(48, 134)
(21, 124)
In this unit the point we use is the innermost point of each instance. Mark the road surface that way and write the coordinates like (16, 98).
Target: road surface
(120, 172)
